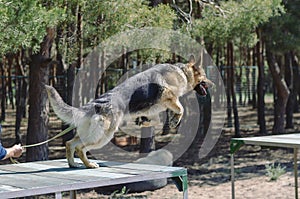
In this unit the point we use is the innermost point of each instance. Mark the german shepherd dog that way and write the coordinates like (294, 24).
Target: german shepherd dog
(140, 98)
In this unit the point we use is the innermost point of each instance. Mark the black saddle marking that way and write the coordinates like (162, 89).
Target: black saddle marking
(145, 96)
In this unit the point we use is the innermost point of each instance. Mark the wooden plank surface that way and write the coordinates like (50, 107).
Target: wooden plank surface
(44, 177)
(286, 140)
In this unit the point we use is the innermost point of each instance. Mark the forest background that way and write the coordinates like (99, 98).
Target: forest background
(254, 43)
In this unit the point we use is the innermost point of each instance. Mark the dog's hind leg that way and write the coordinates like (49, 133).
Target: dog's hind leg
(70, 151)
(76, 145)
(81, 152)
(171, 101)
(81, 149)
(178, 113)
(101, 132)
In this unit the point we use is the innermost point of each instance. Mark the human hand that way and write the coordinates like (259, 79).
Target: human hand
(17, 150)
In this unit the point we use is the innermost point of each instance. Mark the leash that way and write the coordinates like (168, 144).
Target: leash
(67, 130)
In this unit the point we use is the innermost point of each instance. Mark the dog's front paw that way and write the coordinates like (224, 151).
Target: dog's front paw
(92, 165)
(175, 121)
(174, 124)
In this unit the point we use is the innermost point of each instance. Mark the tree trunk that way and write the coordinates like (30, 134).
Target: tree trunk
(282, 93)
(10, 59)
(289, 82)
(296, 76)
(248, 89)
(21, 85)
(3, 89)
(207, 112)
(254, 102)
(103, 82)
(228, 93)
(260, 87)
(248, 93)
(233, 96)
(66, 83)
(71, 72)
(218, 96)
(62, 88)
(38, 109)
(69, 99)
(239, 85)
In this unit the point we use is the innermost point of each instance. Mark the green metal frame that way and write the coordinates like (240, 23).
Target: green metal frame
(181, 181)
(235, 145)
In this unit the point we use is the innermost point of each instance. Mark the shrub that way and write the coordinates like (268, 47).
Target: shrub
(274, 172)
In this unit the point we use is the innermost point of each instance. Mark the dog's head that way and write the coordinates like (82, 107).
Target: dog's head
(200, 82)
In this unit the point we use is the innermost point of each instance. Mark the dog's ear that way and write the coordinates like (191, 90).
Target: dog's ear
(193, 64)
(192, 60)
(199, 62)
(196, 64)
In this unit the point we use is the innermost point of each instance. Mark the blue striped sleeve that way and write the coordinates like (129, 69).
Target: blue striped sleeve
(2, 152)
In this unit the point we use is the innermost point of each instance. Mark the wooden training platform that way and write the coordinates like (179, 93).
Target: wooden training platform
(285, 140)
(54, 176)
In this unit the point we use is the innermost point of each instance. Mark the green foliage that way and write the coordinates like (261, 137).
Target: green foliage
(239, 19)
(274, 172)
(122, 194)
(283, 33)
(103, 19)
(23, 24)
(111, 17)
(106, 18)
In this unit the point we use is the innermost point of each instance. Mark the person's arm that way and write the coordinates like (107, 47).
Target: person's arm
(14, 152)
(3, 152)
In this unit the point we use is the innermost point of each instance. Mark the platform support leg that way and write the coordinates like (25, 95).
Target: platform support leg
(181, 183)
(73, 194)
(58, 195)
(185, 187)
(232, 177)
(296, 172)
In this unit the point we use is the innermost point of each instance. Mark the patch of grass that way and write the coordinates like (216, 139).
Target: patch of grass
(119, 194)
(274, 172)
(122, 194)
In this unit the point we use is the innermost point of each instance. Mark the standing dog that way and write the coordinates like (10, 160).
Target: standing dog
(141, 98)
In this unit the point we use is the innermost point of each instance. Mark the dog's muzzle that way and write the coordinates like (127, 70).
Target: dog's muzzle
(201, 88)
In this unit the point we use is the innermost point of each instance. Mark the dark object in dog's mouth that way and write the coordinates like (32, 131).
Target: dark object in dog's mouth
(201, 88)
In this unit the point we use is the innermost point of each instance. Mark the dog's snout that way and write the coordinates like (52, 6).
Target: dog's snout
(207, 83)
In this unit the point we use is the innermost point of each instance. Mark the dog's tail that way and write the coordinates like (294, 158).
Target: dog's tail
(64, 111)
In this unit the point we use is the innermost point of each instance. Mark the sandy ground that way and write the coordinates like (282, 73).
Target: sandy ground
(257, 187)
(252, 188)
(211, 179)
